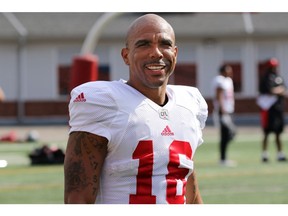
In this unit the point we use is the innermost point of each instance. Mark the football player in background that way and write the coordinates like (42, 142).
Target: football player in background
(223, 109)
(271, 100)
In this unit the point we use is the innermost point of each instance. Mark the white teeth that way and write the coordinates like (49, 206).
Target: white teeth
(155, 67)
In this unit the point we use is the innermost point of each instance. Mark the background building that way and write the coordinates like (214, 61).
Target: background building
(37, 50)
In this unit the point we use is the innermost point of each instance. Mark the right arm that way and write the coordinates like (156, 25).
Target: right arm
(84, 158)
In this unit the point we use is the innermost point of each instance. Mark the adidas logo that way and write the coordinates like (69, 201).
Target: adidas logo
(80, 98)
(167, 132)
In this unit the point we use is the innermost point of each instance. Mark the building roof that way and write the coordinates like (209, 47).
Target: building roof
(55, 25)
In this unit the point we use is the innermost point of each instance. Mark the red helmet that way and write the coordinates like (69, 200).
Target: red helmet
(273, 62)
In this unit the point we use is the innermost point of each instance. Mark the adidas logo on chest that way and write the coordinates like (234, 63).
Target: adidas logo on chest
(167, 131)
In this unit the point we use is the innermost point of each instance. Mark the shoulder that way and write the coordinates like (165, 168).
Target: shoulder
(218, 81)
(93, 85)
(219, 78)
(184, 89)
(90, 91)
(191, 98)
(186, 93)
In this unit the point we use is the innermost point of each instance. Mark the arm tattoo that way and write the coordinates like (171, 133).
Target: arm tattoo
(86, 149)
(75, 177)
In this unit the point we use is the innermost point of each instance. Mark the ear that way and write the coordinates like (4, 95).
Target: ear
(176, 51)
(124, 54)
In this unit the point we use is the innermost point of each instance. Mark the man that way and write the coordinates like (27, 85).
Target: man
(223, 109)
(2, 95)
(133, 142)
(271, 102)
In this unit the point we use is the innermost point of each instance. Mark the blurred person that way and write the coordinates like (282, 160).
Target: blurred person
(2, 95)
(223, 104)
(272, 90)
(133, 142)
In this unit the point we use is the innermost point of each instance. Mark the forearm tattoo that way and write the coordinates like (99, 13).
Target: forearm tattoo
(84, 162)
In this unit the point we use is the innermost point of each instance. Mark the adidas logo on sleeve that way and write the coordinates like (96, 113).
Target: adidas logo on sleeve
(80, 98)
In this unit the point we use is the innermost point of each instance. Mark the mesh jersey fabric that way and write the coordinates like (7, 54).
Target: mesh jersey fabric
(150, 148)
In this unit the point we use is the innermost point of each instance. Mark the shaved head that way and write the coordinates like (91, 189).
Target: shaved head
(151, 21)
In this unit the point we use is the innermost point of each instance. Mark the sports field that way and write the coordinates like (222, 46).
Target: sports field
(251, 182)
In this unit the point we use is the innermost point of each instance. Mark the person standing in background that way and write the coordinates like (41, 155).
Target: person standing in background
(2, 95)
(223, 109)
(271, 99)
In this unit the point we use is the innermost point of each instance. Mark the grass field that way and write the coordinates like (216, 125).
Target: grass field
(251, 182)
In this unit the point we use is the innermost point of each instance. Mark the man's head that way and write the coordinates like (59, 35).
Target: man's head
(226, 70)
(150, 51)
(272, 65)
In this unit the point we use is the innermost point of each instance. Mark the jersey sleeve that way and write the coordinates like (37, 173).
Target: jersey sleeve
(92, 109)
(203, 109)
(201, 113)
(218, 83)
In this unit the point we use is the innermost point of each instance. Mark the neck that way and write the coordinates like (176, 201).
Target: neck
(157, 95)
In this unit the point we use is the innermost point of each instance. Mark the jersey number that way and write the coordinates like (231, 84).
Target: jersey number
(144, 152)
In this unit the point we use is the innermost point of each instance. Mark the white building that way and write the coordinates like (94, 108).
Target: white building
(35, 67)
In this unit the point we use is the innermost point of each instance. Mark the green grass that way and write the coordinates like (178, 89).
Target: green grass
(31, 185)
(251, 182)
(21, 183)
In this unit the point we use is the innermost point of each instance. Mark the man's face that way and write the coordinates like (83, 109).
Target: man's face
(229, 72)
(151, 55)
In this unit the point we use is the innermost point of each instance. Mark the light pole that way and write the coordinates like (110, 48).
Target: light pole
(23, 33)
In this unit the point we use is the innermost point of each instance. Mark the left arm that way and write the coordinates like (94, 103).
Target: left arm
(193, 195)
(279, 90)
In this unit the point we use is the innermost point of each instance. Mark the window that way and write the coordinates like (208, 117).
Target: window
(63, 79)
(184, 74)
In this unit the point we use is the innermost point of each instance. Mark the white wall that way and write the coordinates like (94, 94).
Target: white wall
(209, 57)
(40, 73)
(187, 52)
(118, 69)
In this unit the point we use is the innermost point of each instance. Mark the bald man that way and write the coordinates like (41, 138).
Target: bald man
(133, 142)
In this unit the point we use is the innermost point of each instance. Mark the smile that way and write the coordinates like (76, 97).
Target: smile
(155, 67)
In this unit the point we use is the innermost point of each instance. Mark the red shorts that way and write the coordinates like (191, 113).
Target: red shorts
(264, 118)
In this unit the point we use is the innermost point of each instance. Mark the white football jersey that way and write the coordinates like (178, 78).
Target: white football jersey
(225, 83)
(150, 148)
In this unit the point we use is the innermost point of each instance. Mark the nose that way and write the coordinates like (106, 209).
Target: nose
(155, 53)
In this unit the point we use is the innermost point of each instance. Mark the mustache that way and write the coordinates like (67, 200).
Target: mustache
(160, 62)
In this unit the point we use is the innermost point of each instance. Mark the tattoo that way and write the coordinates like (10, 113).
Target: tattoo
(87, 154)
(75, 177)
(88, 141)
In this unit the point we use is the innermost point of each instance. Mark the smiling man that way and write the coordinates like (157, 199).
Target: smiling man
(133, 142)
